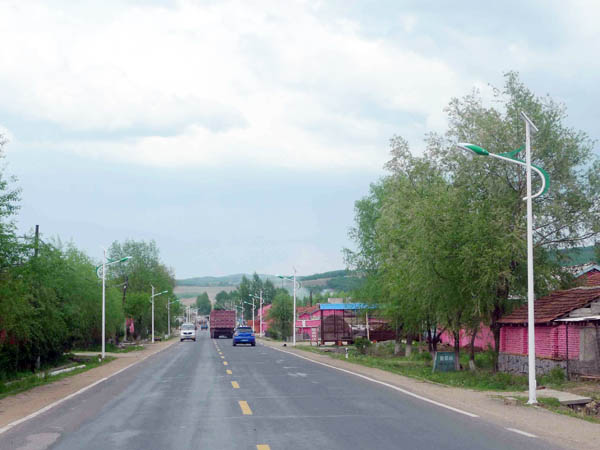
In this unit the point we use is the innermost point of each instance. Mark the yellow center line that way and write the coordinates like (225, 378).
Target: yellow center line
(229, 372)
(235, 384)
(262, 447)
(245, 408)
(225, 362)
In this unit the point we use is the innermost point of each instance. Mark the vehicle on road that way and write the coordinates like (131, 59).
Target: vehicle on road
(203, 323)
(222, 323)
(188, 331)
(244, 335)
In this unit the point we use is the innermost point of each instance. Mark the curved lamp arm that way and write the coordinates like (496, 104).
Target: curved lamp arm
(483, 152)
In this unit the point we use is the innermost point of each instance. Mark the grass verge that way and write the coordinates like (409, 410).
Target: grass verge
(419, 366)
(33, 380)
(552, 404)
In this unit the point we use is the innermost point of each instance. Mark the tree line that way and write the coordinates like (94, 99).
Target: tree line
(50, 293)
(441, 240)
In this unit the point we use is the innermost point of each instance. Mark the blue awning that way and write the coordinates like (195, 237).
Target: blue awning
(343, 306)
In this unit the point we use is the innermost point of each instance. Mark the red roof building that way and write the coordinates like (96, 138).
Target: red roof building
(589, 276)
(566, 333)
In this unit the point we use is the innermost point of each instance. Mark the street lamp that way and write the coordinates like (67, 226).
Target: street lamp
(169, 316)
(510, 157)
(152, 301)
(260, 332)
(101, 272)
(296, 286)
(248, 303)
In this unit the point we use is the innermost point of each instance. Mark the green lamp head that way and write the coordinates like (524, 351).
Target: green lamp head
(473, 148)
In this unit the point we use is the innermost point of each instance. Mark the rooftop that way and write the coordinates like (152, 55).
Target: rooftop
(555, 305)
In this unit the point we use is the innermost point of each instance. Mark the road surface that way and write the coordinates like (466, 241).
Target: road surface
(210, 395)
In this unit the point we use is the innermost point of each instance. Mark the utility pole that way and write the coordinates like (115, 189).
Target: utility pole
(262, 312)
(124, 292)
(294, 321)
(36, 242)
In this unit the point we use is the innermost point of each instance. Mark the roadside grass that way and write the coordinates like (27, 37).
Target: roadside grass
(111, 348)
(30, 380)
(419, 366)
(554, 405)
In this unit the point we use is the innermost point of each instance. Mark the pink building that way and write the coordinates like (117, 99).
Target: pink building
(565, 333)
(483, 340)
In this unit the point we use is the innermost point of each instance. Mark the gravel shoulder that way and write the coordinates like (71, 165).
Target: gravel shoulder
(559, 429)
(21, 405)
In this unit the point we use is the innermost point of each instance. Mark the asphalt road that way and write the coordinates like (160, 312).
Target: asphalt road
(184, 398)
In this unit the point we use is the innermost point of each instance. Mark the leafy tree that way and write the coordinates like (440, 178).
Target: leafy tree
(442, 239)
(203, 304)
(141, 272)
(223, 300)
(268, 292)
(281, 313)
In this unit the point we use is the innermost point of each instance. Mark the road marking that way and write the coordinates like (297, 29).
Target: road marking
(70, 396)
(524, 433)
(245, 408)
(235, 384)
(229, 372)
(262, 447)
(222, 357)
(373, 380)
(224, 363)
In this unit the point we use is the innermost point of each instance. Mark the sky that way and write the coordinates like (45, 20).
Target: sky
(237, 134)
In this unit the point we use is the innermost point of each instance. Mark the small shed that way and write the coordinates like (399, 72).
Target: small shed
(567, 333)
(347, 321)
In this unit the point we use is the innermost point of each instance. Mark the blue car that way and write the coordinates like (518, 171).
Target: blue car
(244, 335)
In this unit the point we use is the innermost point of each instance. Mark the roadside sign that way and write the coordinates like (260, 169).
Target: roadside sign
(443, 362)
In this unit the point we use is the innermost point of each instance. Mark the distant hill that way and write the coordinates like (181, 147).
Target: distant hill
(227, 280)
(339, 280)
(576, 256)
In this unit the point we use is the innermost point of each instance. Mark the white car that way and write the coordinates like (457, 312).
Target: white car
(188, 331)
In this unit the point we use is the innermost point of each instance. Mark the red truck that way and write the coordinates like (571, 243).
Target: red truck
(222, 323)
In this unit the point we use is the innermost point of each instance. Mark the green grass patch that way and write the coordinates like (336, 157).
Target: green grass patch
(30, 380)
(419, 366)
(554, 405)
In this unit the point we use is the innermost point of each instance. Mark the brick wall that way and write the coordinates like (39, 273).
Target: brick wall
(483, 340)
(550, 341)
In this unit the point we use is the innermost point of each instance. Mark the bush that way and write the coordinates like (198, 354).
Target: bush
(362, 345)
(555, 376)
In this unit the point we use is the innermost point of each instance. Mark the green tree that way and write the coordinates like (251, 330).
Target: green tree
(222, 300)
(144, 270)
(281, 314)
(203, 304)
(268, 292)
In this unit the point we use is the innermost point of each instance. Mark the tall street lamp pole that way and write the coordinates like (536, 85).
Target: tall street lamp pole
(259, 298)
(101, 272)
(510, 157)
(169, 316)
(296, 285)
(152, 301)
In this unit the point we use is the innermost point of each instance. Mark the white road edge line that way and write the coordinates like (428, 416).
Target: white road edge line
(404, 391)
(524, 433)
(7, 427)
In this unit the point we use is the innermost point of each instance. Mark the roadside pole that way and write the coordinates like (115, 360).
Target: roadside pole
(294, 320)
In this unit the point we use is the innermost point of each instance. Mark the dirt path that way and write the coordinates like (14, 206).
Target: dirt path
(21, 405)
(559, 429)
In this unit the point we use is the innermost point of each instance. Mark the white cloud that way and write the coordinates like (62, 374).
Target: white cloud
(268, 83)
